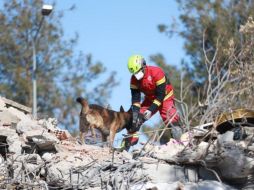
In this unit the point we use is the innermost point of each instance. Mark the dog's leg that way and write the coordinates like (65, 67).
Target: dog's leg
(81, 136)
(104, 139)
(112, 134)
(93, 131)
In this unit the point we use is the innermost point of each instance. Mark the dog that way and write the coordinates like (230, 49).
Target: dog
(89, 119)
(107, 121)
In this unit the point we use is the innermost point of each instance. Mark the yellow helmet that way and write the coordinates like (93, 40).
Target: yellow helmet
(135, 63)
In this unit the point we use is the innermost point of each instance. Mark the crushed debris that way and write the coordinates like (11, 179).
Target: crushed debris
(36, 154)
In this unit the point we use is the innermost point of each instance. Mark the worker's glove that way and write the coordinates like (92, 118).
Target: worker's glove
(137, 121)
(147, 114)
(135, 116)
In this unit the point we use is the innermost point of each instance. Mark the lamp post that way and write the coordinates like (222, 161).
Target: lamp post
(45, 11)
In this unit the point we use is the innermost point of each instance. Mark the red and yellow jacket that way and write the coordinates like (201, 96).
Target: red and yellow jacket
(153, 85)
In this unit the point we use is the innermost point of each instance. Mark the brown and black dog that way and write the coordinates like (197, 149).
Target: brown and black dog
(107, 121)
(89, 119)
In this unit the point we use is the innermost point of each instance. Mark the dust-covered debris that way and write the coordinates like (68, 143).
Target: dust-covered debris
(38, 154)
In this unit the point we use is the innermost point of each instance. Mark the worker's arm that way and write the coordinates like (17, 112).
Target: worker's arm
(160, 92)
(135, 99)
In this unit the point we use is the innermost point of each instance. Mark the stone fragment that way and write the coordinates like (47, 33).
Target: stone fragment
(7, 118)
(43, 139)
(12, 139)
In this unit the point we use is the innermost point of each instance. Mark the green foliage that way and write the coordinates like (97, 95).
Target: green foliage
(179, 79)
(180, 83)
(171, 72)
(208, 25)
(61, 73)
(212, 27)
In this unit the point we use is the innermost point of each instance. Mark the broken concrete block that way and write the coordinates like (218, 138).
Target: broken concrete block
(226, 137)
(26, 125)
(251, 148)
(1, 160)
(7, 118)
(6, 131)
(234, 156)
(206, 174)
(158, 186)
(168, 150)
(163, 173)
(14, 144)
(21, 115)
(43, 139)
(2, 104)
(207, 185)
(191, 173)
(23, 166)
(50, 124)
(16, 171)
(47, 157)
(12, 139)
(63, 165)
(16, 105)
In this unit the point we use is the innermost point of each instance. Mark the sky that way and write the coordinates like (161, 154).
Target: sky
(114, 30)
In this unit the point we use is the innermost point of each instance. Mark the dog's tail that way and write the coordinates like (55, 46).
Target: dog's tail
(83, 103)
(80, 99)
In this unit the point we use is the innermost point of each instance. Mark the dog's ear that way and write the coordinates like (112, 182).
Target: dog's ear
(130, 110)
(121, 109)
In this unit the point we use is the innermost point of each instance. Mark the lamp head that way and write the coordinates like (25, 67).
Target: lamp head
(46, 10)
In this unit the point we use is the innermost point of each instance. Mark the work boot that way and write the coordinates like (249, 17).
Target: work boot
(125, 145)
(166, 136)
(176, 130)
(129, 140)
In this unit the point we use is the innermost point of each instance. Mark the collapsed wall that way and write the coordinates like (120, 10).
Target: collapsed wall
(36, 154)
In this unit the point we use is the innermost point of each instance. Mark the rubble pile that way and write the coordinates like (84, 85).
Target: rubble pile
(36, 154)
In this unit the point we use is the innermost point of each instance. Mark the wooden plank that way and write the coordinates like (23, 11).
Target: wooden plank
(14, 104)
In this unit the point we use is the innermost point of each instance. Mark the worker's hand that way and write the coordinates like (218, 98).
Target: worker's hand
(147, 114)
(134, 117)
(137, 121)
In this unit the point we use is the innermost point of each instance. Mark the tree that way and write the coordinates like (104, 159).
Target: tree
(174, 75)
(203, 23)
(176, 78)
(62, 73)
(213, 36)
(219, 42)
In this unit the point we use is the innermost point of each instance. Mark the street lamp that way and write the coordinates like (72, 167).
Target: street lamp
(45, 11)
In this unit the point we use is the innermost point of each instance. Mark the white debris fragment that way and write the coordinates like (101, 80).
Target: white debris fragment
(39, 153)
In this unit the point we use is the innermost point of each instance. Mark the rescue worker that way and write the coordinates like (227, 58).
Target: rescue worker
(158, 96)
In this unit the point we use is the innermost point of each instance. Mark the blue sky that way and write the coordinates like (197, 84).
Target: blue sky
(113, 30)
